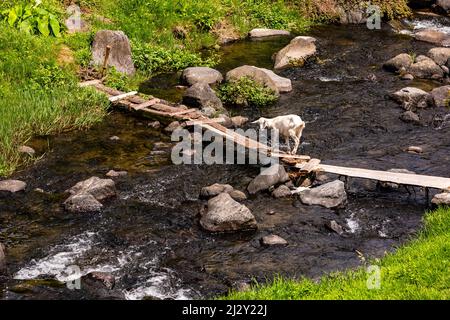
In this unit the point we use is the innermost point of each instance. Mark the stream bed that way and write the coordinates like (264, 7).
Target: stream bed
(149, 236)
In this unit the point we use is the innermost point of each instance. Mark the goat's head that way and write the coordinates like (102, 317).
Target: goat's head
(262, 123)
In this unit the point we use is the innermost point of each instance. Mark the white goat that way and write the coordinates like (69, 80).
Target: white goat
(288, 126)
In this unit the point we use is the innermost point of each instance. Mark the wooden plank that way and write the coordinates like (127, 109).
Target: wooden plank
(204, 121)
(385, 176)
(89, 83)
(179, 113)
(122, 96)
(146, 104)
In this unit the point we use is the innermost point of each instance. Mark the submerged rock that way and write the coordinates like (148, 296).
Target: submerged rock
(441, 199)
(215, 189)
(263, 32)
(441, 96)
(411, 98)
(329, 195)
(12, 185)
(273, 240)
(99, 188)
(113, 173)
(120, 54)
(281, 192)
(200, 95)
(82, 203)
(226, 215)
(193, 75)
(409, 117)
(271, 176)
(336, 227)
(425, 68)
(103, 279)
(174, 125)
(400, 61)
(296, 52)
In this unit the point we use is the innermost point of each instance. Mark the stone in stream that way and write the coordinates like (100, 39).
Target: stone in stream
(12, 185)
(400, 61)
(425, 68)
(2, 259)
(354, 16)
(215, 189)
(82, 203)
(27, 150)
(281, 192)
(439, 55)
(273, 240)
(120, 54)
(172, 126)
(113, 173)
(296, 52)
(441, 199)
(104, 279)
(193, 75)
(409, 117)
(154, 124)
(442, 6)
(275, 174)
(114, 138)
(263, 76)
(391, 185)
(334, 226)
(263, 32)
(226, 215)
(329, 195)
(200, 95)
(414, 149)
(99, 188)
(411, 98)
(441, 96)
(433, 36)
(238, 121)
(407, 76)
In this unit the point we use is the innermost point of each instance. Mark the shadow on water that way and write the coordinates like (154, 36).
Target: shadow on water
(149, 238)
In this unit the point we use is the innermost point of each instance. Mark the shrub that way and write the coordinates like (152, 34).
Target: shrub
(247, 92)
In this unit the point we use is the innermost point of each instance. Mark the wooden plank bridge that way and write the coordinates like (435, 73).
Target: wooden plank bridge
(302, 164)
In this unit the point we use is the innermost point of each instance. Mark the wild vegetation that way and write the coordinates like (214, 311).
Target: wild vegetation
(246, 92)
(417, 270)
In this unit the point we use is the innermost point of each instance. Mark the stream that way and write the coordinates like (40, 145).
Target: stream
(149, 236)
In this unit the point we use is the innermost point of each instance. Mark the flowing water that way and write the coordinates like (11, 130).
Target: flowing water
(149, 237)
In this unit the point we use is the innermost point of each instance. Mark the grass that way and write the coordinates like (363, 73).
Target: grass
(417, 270)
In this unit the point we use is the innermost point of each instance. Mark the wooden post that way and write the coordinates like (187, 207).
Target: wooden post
(105, 61)
(427, 196)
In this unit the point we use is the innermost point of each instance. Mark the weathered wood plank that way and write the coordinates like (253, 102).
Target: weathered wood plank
(122, 96)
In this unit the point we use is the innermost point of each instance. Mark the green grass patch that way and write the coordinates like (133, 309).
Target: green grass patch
(417, 270)
(246, 92)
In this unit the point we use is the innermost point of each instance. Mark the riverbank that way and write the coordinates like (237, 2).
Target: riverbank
(415, 271)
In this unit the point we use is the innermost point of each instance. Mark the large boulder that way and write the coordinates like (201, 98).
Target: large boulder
(82, 203)
(99, 188)
(329, 195)
(441, 96)
(263, 76)
(200, 95)
(226, 215)
(411, 98)
(296, 52)
(399, 62)
(193, 75)
(271, 176)
(439, 55)
(436, 37)
(263, 32)
(425, 68)
(442, 6)
(12, 185)
(120, 54)
(441, 199)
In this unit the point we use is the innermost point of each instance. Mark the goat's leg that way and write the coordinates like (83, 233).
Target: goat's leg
(288, 143)
(297, 141)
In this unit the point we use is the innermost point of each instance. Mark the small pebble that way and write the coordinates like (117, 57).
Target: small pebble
(414, 149)
(114, 138)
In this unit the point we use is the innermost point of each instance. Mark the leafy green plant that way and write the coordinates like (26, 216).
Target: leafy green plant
(116, 80)
(31, 18)
(247, 92)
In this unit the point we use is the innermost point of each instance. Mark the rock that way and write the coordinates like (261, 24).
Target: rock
(114, 138)
(329, 195)
(445, 69)
(225, 215)
(238, 195)
(238, 121)
(262, 32)
(12, 185)
(439, 55)
(82, 203)
(409, 116)
(273, 240)
(271, 176)
(411, 98)
(296, 52)
(193, 75)
(2, 259)
(200, 95)
(441, 96)
(414, 149)
(306, 183)
(179, 32)
(215, 189)
(400, 61)
(270, 212)
(113, 173)
(336, 227)
(172, 126)
(441, 199)
(225, 120)
(28, 150)
(442, 6)
(120, 54)
(355, 16)
(263, 76)
(242, 286)
(436, 37)
(99, 188)
(154, 124)
(208, 111)
(104, 278)
(425, 68)
(391, 185)
(281, 192)
(75, 23)
(407, 76)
